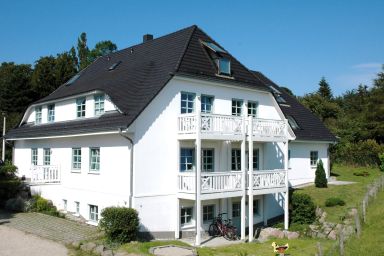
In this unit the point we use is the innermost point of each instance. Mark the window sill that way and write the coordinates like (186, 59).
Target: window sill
(75, 171)
(94, 172)
(92, 222)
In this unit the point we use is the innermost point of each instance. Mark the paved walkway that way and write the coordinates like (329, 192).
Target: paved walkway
(17, 243)
(53, 228)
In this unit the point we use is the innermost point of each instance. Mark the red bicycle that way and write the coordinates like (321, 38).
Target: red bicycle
(220, 227)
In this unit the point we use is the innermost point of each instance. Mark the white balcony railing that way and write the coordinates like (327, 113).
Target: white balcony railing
(231, 125)
(45, 174)
(212, 182)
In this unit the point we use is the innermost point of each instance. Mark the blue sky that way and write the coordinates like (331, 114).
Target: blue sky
(295, 43)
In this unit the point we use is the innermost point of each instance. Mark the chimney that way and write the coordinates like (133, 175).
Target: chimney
(147, 37)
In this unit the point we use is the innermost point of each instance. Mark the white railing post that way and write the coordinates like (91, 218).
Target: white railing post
(198, 171)
(250, 177)
(243, 178)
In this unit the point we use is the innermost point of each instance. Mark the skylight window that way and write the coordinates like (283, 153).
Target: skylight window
(114, 66)
(277, 95)
(224, 66)
(214, 47)
(292, 122)
(73, 79)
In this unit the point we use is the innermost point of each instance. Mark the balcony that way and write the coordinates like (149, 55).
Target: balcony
(45, 174)
(224, 126)
(224, 184)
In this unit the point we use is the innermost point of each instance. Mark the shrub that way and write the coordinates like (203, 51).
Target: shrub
(333, 201)
(42, 205)
(320, 179)
(120, 224)
(303, 209)
(15, 204)
(381, 159)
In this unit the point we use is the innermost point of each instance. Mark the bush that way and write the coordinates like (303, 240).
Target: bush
(42, 205)
(333, 201)
(381, 159)
(120, 224)
(15, 204)
(10, 184)
(303, 209)
(321, 178)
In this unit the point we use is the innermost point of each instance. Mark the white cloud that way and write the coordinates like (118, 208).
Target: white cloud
(372, 65)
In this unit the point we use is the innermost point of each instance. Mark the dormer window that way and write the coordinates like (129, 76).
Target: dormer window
(38, 115)
(51, 113)
(80, 107)
(224, 66)
(292, 122)
(99, 105)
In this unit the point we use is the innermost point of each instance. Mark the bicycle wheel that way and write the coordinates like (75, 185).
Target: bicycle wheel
(231, 234)
(213, 230)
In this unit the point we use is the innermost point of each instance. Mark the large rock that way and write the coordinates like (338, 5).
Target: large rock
(99, 249)
(107, 253)
(332, 235)
(319, 212)
(88, 247)
(266, 233)
(292, 235)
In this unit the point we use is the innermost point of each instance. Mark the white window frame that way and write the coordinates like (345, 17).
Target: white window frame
(206, 154)
(77, 207)
(76, 159)
(51, 113)
(187, 161)
(207, 103)
(219, 66)
(253, 106)
(47, 156)
(93, 213)
(81, 107)
(38, 115)
(185, 107)
(236, 109)
(93, 157)
(236, 159)
(34, 156)
(312, 160)
(236, 211)
(99, 104)
(65, 205)
(208, 212)
(184, 217)
(256, 159)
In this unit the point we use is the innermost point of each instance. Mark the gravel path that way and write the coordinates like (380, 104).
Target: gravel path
(18, 243)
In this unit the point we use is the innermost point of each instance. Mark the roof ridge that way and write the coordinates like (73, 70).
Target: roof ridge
(185, 48)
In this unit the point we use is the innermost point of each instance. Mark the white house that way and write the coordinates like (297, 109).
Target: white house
(176, 128)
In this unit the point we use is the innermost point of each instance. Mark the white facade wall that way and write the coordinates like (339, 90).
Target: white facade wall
(65, 110)
(108, 187)
(300, 171)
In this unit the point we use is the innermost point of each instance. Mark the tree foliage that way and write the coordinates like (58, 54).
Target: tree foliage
(324, 89)
(320, 176)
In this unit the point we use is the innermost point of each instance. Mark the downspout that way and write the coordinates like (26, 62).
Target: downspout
(121, 133)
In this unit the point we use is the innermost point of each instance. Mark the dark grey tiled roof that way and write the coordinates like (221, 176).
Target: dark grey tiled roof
(311, 128)
(144, 70)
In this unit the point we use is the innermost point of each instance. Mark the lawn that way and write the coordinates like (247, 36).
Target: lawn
(352, 194)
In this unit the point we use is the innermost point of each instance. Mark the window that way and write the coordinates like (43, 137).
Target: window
(289, 158)
(186, 159)
(187, 102)
(47, 156)
(94, 162)
(76, 158)
(99, 105)
(93, 212)
(51, 113)
(77, 207)
(256, 207)
(208, 212)
(206, 104)
(314, 156)
(207, 160)
(186, 215)
(237, 105)
(34, 156)
(214, 47)
(114, 65)
(224, 66)
(252, 108)
(292, 122)
(236, 210)
(80, 107)
(256, 159)
(64, 204)
(38, 115)
(236, 160)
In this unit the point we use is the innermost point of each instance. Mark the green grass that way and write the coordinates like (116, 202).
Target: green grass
(372, 237)
(352, 194)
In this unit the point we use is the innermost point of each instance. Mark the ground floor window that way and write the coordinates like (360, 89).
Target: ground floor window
(314, 156)
(256, 207)
(93, 212)
(236, 210)
(47, 156)
(64, 204)
(34, 156)
(77, 207)
(208, 212)
(94, 159)
(186, 215)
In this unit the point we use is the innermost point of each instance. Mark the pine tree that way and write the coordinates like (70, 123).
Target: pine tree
(324, 89)
(83, 51)
(320, 179)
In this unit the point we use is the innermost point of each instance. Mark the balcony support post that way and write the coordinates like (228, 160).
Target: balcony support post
(177, 227)
(250, 178)
(243, 183)
(286, 197)
(198, 172)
